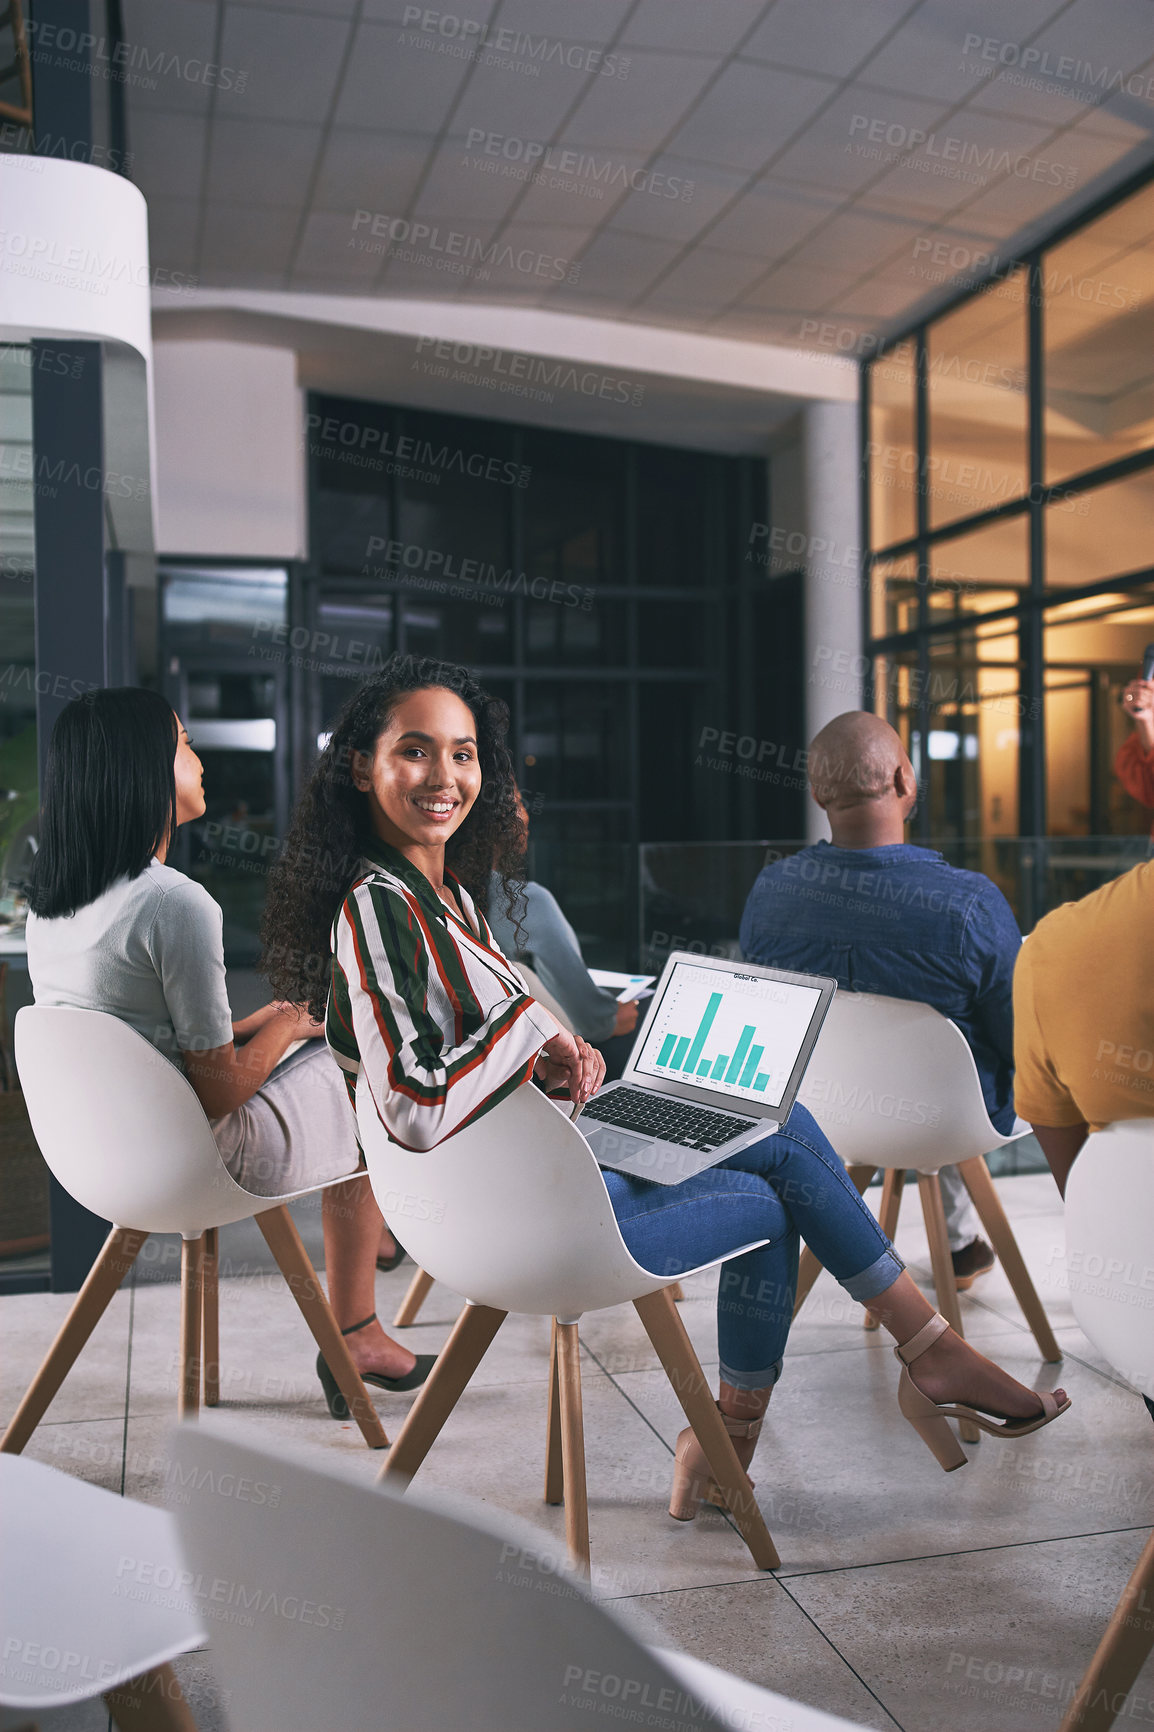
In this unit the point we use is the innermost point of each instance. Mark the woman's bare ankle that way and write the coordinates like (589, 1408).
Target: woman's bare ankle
(743, 1403)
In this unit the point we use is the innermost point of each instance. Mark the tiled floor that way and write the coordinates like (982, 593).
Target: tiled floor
(906, 1597)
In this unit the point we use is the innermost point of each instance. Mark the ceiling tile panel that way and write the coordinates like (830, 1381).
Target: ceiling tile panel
(560, 21)
(389, 85)
(831, 38)
(364, 170)
(706, 280)
(172, 226)
(171, 45)
(640, 111)
(572, 185)
(291, 62)
(328, 252)
(168, 153)
(621, 264)
(678, 199)
(462, 185)
(770, 219)
(748, 114)
(848, 145)
(521, 100)
(261, 162)
(241, 238)
(804, 292)
(686, 26)
(862, 240)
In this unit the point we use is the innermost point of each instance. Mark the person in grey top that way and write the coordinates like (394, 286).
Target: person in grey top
(540, 935)
(114, 928)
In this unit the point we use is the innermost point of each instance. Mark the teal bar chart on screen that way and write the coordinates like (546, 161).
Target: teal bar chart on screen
(758, 1027)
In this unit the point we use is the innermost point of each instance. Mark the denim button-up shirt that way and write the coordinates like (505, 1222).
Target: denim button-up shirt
(900, 921)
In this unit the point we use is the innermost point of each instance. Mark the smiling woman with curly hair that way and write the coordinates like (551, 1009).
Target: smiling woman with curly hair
(387, 866)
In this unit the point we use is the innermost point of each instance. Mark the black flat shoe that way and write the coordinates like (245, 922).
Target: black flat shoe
(385, 1264)
(339, 1407)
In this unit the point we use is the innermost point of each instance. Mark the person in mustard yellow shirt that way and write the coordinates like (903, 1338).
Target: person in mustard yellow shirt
(1084, 1017)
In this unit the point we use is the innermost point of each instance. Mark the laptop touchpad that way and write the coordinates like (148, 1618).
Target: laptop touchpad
(615, 1148)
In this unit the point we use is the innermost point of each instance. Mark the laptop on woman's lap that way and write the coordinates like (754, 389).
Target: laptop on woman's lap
(717, 1064)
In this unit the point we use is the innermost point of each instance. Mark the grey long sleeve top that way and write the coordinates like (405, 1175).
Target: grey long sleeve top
(551, 948)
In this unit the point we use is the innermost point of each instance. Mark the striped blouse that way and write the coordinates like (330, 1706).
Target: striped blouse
(426, 1003)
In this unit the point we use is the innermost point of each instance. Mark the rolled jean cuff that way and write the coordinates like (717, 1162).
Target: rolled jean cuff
(751, 1379)
(876, 1278)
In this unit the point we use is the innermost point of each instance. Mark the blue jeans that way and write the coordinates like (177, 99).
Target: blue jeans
(786, 1187)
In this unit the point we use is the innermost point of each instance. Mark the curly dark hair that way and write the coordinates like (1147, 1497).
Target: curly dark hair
(322, 855)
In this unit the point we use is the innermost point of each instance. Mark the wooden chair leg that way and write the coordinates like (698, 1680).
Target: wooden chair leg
(809, 1268)
(977, 1180)
(573, 1442)
(554, 1465)
(154, 1702)
(673, 1347)
(930, 1191)
(210, 1305)
(191, 1294)
(284, 1242)
(415, 1296)
(888, 1217)
(675, 1292)
(119, 1253)
(470, 1340)
(1120, 1656)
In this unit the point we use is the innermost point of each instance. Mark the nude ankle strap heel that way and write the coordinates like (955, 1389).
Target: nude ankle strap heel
(929, 1419)
(693, 1480)
(923, 1414)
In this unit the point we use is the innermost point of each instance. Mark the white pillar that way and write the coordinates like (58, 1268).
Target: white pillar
(834, 664)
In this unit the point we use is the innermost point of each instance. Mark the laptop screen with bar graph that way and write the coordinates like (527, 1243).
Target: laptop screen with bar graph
(733, 1032)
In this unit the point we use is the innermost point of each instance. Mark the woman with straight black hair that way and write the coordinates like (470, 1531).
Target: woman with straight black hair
(392, 849)
(112, 927)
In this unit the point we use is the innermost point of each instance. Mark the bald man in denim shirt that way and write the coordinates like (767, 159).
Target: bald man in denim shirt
(881, 915)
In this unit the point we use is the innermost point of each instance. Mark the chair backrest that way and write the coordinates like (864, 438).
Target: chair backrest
(367, 1608)
(512, 1211)
(537, 989)
(893, 1083)
(87, 1582)
(119, 1125)
(1110, 1246)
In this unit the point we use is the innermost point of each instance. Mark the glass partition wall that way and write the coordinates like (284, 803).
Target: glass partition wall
(1008, 480)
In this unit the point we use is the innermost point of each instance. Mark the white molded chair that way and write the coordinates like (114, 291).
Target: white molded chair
(483, 1626)
(419, 1286)
(125, 1135)
(514, 1213)
(893, 1084)
(1109, 1234)
(86, 1602)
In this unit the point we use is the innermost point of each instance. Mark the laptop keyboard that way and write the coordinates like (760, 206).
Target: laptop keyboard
(673, 1121)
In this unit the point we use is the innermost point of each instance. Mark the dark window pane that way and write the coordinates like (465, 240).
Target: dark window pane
(679, 634)
(577, 636)
(575, 510)
(576, 740)
(474, 631)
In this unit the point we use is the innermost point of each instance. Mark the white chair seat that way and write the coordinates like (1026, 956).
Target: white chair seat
(125, 1134)
(487, 1628)
(90, 1591)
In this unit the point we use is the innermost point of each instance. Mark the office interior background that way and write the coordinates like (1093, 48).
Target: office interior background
(692, 372)
(695, 371)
